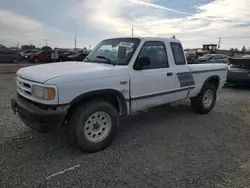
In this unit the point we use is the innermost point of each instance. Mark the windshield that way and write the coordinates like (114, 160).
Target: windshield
(118, 51)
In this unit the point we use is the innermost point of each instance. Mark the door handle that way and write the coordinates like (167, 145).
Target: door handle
(169, 74)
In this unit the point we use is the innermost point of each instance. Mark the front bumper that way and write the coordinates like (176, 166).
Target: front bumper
(37, 118)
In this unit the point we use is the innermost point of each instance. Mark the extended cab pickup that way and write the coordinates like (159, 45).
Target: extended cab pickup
(119, 77)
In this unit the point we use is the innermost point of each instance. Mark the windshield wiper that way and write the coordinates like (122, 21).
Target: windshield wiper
(107, 59)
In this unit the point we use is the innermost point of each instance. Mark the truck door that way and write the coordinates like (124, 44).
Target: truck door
(184, 78)
(152, 84)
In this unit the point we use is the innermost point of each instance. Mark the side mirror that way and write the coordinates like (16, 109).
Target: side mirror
(141, 62)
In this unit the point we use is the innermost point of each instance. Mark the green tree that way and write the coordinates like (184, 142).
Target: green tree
(243, 49)
(28, 47)
(2, 46)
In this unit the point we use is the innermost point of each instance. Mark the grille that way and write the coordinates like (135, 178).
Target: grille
(23, 87)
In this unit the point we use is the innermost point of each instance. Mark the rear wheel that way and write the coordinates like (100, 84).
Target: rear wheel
(205, 101)
(93, 126)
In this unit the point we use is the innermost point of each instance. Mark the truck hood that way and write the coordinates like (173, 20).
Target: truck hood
(45, 72)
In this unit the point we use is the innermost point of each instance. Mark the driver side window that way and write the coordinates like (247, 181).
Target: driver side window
(156, 53)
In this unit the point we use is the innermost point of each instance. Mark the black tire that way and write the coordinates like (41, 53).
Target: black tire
(14, 60)
(225, 85)
(36, 60)
(75, 127)
(197, 102)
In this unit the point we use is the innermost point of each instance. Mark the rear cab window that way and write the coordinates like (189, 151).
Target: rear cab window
(178, 54)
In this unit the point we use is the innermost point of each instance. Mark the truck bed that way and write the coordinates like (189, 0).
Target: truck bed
(200, 72)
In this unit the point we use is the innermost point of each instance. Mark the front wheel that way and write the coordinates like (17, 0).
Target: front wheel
(93, 126)
(205, 101)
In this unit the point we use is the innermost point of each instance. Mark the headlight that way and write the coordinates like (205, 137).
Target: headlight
(40, 92)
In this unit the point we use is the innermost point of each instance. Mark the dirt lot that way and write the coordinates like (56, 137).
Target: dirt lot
(168, 146)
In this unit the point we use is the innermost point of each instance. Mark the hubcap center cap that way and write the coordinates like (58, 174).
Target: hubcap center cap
(96, 125)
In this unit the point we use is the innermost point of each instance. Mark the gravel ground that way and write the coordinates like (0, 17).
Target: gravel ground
(168, 146)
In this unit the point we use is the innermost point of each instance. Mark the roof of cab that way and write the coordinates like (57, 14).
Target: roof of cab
(150, 38)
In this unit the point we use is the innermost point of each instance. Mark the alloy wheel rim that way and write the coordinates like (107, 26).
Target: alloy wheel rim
(208, 98)
(97, 127)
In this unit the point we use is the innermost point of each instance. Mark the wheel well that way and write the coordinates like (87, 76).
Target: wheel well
(113, 98)
(215, 81)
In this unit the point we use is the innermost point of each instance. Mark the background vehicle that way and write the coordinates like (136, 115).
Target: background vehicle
(42, 56)
(25, 55)
(77, 57)
(191, 58)
(63, 56)
(119, 77)
(207, 49)
(213, 58)
(239, 71)
(9, 56)
(28, 56)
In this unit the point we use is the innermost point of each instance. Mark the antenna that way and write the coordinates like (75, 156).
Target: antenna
(132, 30)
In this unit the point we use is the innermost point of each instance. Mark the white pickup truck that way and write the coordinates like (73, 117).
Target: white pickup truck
(119, 77)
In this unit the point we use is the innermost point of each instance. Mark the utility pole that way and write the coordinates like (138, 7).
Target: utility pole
(75, 33)
(46, 42)
(132, 30)
(75, 41)
(219, 43)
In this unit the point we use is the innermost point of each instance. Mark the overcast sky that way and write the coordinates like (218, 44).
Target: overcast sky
(195, 22)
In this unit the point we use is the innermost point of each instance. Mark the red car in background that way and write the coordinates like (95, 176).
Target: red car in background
(44, 56)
